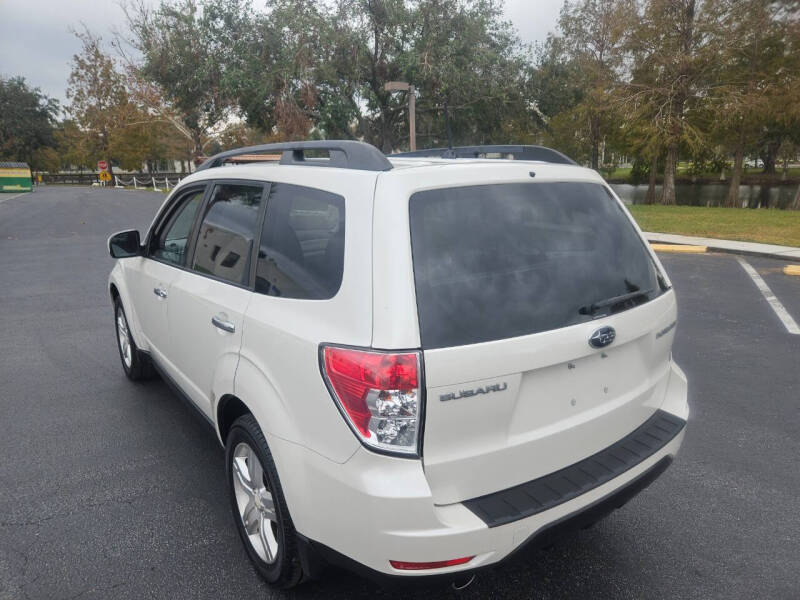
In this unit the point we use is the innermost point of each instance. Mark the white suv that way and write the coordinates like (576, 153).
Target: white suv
(416, 364)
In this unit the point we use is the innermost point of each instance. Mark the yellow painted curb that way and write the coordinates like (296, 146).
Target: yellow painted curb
(678, 248)
(792, 270)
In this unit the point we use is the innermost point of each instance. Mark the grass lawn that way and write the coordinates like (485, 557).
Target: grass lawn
(748, 225)
(620, 173)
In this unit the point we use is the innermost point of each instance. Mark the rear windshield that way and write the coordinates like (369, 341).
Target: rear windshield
(499, 261)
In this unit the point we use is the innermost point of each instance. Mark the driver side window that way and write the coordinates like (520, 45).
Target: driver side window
(172, 237)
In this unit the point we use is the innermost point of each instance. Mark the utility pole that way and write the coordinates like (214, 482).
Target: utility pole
(412, 118)
(402, 86)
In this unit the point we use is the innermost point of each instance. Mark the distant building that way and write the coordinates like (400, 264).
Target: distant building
(15, 177)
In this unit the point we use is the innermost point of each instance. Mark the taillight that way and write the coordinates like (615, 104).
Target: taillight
(379, 394)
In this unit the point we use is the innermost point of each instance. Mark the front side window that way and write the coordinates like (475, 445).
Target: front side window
(172, 236)
(227, 232)
(302, 243)
(499, 261)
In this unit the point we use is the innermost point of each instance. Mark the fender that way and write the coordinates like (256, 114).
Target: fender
(258, 393)
(294, 461)
(296, 409)
(117, 278)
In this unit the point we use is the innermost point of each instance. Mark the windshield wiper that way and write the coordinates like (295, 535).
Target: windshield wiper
(594, 306)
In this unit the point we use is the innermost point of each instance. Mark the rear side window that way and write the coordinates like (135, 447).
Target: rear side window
(302, 243)
(171, 239)
(227, 232)
(499, 261)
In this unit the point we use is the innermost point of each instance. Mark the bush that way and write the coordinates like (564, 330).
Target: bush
(640, 171)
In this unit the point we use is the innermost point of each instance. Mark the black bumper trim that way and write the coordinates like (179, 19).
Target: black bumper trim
(544, 493)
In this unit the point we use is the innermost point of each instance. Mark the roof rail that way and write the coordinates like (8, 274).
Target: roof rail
(344, 154)
(539, 153)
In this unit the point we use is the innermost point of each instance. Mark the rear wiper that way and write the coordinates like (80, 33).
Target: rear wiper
(594, 306)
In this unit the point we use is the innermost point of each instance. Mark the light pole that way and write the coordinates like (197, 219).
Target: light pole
(402, 86)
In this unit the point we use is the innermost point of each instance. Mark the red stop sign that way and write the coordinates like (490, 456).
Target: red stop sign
(102, 165)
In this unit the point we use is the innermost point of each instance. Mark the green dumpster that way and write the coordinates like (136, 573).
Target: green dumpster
(15, 177)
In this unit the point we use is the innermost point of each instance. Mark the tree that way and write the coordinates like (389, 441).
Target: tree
(556, 89)
(642, 140)
(749, 41)
(99, 102)
(27, 120)
(167, 133)
(666, 46)
(310, 65)
(472, 73)
(73, 146)
(792, 109)
(278, 67)
(181, 57)
(304, 68)
(556, 82)
(652, 79)
(594, 36)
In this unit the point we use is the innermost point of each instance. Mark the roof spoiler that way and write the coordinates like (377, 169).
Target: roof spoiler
(537, 153)
(343, 154)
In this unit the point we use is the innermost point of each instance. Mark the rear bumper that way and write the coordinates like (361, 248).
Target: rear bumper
(317, 555)
(515, 503)
(372, 509)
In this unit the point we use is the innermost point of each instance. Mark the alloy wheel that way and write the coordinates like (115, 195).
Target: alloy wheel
(255, 503)
(124, 338)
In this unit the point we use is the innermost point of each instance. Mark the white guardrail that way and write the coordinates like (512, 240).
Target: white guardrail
(146, 182)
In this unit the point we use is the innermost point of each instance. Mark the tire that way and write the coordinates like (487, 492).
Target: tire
(135, 363)
(256, 496)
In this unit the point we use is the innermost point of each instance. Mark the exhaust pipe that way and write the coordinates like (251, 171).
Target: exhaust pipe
(462, 584)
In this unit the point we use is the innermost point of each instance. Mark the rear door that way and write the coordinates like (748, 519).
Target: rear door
(512, 282)
(207, 301)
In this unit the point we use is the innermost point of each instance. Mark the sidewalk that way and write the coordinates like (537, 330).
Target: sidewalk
(768, 250)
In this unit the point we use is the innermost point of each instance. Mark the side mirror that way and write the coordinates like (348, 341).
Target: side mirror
(125, 244)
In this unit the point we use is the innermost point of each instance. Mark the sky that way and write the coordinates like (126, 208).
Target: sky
(36, 42)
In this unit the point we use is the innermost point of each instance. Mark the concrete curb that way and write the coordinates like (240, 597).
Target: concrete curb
(731, 246)
(678, 248)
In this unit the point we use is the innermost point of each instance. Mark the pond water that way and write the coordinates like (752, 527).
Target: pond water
(751, 196)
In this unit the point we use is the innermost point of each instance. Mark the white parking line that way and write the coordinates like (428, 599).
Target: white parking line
(3, 198)
(783, 314)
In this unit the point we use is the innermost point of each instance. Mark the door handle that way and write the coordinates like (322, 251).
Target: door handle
(222, 324)
(160, 292)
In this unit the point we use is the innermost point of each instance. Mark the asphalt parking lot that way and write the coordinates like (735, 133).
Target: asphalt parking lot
(115, 490)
